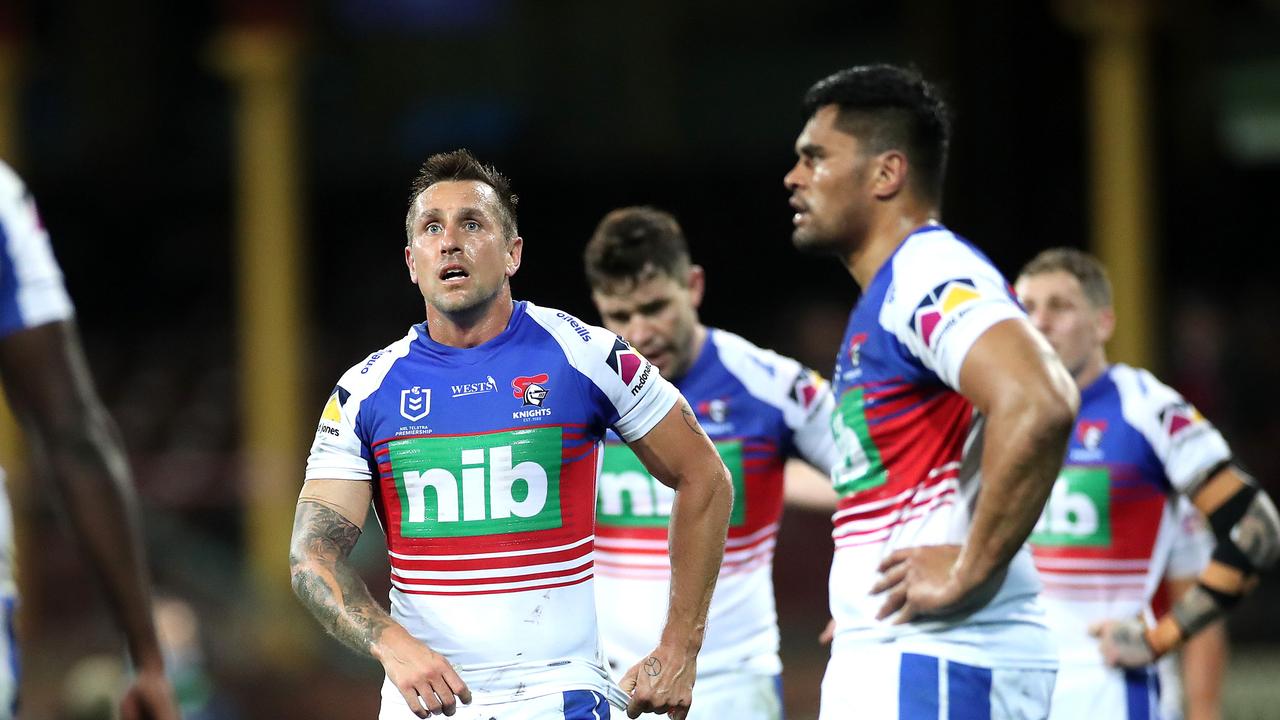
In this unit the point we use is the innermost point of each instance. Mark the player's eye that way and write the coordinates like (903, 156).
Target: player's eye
(434, 228)
(471, 226)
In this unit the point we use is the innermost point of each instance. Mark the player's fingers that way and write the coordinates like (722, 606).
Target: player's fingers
(428, 698)
(634, 709)
(906, 615)
(1096, 628)
(890, 578)
(456, 685)
(892, 603)
(630, 681)
(894, 558)
(448, 703)
(415, 705)
(828, 633)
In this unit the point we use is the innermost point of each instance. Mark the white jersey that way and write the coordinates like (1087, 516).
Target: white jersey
(484, 464)
(759, 408)
(31, 294)
(1106, 538)
(911, 452)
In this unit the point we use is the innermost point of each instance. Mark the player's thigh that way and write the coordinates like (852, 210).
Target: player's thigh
(883, 683)
(568, 705)
(744, 696)
(1102, 693)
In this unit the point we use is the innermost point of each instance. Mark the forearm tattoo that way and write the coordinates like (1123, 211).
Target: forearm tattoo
(1195, 610)
(690, 419)
(326, 584)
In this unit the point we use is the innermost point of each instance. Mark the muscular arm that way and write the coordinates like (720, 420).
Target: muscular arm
(48, 383)
(678, 453)
(326, 526)
(1015, 380)
(808, 488)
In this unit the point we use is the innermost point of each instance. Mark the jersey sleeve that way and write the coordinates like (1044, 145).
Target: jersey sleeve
(1187, 445)
(803, 397)
(31, 288)
(636, 395)
(944, 296)
(1192, 542)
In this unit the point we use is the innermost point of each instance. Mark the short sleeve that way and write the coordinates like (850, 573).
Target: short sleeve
(31, 288)
(338, 452)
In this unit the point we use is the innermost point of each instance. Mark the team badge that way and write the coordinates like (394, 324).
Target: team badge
(716, 410)
(855, 348)
(415, 403)
(624, 360)
(1089, 433)
(531, 388)
(946, 299)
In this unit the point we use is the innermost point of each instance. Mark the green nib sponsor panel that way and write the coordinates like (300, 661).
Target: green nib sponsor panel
(480, 485)
(861, 467)
(629, 496)
(1078, 513)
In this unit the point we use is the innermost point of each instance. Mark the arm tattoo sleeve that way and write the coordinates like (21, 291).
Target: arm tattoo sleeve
(326, 584)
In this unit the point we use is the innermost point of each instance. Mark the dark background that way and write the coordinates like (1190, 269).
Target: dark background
(127, 140)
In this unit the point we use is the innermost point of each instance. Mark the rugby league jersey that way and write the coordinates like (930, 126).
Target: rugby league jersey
(910, 445)
(758, 408)
(31, 294)
(484, 464)
(1108, 530)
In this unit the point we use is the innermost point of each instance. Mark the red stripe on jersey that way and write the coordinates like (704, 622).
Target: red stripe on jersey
(497, 591)
(877, 536)
(513, 577)
(384, 441)
(493, 563)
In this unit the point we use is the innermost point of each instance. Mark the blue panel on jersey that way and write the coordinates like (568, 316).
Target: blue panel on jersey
(1138, 696)
(585, 705)
(968, 692)
(10, 317)
(15, 672)
(918, 687)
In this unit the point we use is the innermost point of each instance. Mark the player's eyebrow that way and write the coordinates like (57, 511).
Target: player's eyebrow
(809, 150)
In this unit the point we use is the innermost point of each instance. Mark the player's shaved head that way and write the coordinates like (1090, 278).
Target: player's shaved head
(461, 165)
(891, 108)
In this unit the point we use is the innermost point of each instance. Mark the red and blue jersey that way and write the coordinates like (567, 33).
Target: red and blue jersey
(759, 408)
(483, 463)
(910, 447)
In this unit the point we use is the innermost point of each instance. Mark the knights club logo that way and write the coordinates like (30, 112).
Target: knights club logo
(717, 410)
(625, 361)
(1089, 433)
(945, 299)
(415, 403)
(855, 348)
(531, 388)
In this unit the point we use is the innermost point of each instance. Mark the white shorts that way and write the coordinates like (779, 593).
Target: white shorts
(1098, 692)
(880, 682)
(741, 696)
(568, 705)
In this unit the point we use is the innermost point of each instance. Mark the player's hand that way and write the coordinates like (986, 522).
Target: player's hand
(828, 633)
(920, 581)
(1123, 643)
(661, 683)
(424, 677)
(150, 697)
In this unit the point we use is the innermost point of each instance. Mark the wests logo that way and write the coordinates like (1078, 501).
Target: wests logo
(530, 388)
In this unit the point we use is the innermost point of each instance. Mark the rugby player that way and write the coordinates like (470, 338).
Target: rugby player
(477, 436)
(1104, 541)
(763, 411)
(47, 381)
(952, 415)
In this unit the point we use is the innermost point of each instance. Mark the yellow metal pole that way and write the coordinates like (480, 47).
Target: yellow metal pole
(262, 64)
(1121, 195)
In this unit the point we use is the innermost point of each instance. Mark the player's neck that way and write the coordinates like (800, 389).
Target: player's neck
(698, 341)
(474, 326)
(884, 235)
(1091, 370)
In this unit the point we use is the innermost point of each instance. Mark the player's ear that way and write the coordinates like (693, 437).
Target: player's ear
(890, 168)
(515, 249)
(1106, 324)
(408, 261)
(697, 283)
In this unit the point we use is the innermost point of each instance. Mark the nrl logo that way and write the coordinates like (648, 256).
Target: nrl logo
(415, 403)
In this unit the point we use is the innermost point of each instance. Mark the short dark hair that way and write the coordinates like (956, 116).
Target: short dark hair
(461, 165)
(889, 107)
(631, 242)
(1085, 268)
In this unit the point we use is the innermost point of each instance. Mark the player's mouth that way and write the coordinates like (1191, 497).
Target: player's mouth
(802, 211)
(453, 274)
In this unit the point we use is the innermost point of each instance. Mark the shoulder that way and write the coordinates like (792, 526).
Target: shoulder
(366, 376)
(936, 256)
(584, 345)
(1143, 397)
(768, 376)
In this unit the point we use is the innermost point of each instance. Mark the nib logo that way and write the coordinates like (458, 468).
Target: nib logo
(530, 388)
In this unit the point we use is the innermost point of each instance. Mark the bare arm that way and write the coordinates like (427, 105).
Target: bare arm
(678, 453)
(808, 488)
(1013, 377)
(326, 526)
(1204, 663)
(48, 383)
